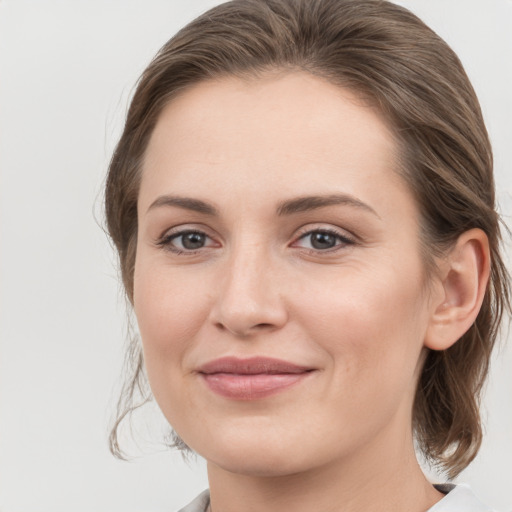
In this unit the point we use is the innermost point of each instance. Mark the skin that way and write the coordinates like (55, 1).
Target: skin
(359, 314)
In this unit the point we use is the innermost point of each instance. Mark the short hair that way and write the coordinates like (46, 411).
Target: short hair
(389, 57)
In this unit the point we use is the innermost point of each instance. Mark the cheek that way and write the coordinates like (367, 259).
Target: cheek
(370, 321)
(169, 310)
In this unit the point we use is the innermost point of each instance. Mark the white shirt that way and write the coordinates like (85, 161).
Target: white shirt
(459, 498)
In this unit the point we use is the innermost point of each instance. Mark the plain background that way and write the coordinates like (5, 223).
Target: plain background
(67, 69)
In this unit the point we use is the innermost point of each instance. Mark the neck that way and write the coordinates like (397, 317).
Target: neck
(373, 479)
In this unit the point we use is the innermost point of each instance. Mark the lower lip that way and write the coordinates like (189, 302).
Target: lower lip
(251, 387)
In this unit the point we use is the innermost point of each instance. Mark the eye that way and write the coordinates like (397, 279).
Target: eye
(323, 240)
(186, 241)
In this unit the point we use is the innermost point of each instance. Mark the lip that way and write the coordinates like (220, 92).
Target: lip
(253, 378)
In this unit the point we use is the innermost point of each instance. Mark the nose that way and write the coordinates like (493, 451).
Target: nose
(250, 296)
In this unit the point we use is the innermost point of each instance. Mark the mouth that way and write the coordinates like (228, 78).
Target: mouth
(253, 378)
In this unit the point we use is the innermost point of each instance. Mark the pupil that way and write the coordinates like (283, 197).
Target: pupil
(323, 240)
(193, 240)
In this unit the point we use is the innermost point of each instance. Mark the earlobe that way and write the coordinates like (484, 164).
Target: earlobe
(464, 277)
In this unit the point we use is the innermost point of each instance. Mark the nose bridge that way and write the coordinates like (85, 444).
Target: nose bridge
(247, 262)
(249, 297)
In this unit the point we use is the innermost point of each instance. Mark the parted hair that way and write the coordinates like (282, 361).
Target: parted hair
(408, 74)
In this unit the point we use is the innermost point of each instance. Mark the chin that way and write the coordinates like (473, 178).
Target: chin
(259, 462)
(256, 455)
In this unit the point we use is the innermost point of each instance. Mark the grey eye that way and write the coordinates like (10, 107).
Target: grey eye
(192, 240)
(323, 240)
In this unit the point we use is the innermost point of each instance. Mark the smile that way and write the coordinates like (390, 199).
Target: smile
(251, 379)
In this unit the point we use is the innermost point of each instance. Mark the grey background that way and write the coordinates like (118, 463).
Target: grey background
(67, 68)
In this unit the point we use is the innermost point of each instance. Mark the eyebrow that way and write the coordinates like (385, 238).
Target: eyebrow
(195, 205)
(289, 207)
(307, 203)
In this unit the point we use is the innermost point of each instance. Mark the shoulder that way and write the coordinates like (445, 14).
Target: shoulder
(459, 498)
(199, 504)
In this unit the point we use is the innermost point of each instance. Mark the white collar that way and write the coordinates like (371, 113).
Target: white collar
(459, 498)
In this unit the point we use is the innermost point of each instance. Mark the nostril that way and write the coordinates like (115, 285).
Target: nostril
(263, 326)
(244, 331)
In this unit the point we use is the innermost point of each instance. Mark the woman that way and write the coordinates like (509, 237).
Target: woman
(303, 204)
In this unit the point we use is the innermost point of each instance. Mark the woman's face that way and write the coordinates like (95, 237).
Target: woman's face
(279, 288)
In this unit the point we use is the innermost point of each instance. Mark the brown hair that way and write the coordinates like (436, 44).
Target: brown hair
(390, 57)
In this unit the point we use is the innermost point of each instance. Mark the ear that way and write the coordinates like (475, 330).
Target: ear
(464, 274)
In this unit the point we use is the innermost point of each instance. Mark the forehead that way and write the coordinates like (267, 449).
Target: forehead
(282, 132)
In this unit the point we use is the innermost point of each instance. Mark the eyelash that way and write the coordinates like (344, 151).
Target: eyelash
(343, 239)
(166, 241)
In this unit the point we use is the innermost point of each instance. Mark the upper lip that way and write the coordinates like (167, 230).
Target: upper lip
(251, 366)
